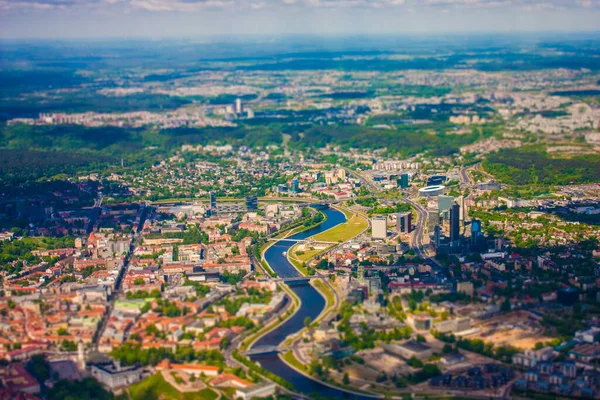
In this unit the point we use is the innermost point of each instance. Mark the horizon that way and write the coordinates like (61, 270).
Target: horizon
(64, 19)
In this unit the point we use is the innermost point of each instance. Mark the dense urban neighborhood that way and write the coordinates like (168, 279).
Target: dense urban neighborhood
(368, 226)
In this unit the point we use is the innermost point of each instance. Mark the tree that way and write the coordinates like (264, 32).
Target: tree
(138, 281)
(447, 349)
(346, 379)
(307, 322)
(506, 306)
(39, 368)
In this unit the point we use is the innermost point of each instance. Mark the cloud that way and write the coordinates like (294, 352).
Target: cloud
(199, 5)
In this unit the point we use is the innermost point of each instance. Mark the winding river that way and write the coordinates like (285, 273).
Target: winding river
(312, 305)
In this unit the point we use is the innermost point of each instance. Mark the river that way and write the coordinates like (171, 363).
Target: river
(312, 305)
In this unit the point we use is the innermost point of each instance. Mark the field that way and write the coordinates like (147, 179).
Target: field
(156, 388)
(305, 255)
(514, 329)
(346, 231)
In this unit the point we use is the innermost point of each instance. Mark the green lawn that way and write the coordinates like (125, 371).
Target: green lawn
(354, 225)
(292, 360)
(156, 388)
(326, 291)
(307, 254)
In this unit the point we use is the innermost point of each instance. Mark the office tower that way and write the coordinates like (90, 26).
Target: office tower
(476, 232)
(434, 219)
(455, 225)
(403, 181)
(379, 227)
(238, 106)
(461, 203)
(445, 203)
(404, 221)
(251, 203)
(437, 236)
(294, 185)
(250, 113)
(213, 200)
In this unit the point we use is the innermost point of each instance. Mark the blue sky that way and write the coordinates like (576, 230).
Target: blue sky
(200, 18)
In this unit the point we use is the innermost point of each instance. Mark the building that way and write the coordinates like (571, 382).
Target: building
(252, 203)
(476, 232)
(589, 335)
(465, 288)
(455, 226)
(294, 186)
(436, 180)
(114, 376)
(445, 203)
(530, 358)
(420, 322)
(264, 389)
(238, 106)
(213, 200)
(432, 191)
(404, 221)
(16, 378)
(379, 227)
(408, 349)
(454, 325)
(403, 181)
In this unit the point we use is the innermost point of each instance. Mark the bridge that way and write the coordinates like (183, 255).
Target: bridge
(296, 281)
(265, 351)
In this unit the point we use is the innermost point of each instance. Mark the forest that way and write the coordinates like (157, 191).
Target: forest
(527, 166)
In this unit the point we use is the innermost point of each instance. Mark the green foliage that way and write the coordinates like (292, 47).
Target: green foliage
(130, 353)
(527, 166)
(255, 368)
(39, 368)
(86, 389)
(368, 336)
(501, 353)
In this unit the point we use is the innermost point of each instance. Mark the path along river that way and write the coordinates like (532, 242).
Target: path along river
(312, 305)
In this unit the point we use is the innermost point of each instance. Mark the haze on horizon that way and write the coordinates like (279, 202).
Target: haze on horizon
(205, 18)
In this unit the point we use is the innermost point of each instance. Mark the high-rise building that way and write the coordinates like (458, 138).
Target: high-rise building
(403, 181)
(249, 113)
(476, 232)
(379, 227)
(404, 221)
(445, 203)
(455, 225)
(213, 200)
(461, 203)
(294, 186)
(433, 217)
(238, 106)
(252, 203)
(437, 236)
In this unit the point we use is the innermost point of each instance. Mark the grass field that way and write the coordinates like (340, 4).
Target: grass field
(353, 226)
(326, 291)
(156, 388)
(307, 254)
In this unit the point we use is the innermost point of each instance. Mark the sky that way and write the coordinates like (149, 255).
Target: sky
(208, 18)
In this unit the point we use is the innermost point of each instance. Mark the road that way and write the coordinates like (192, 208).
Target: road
(417, 237)
(135, 238)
